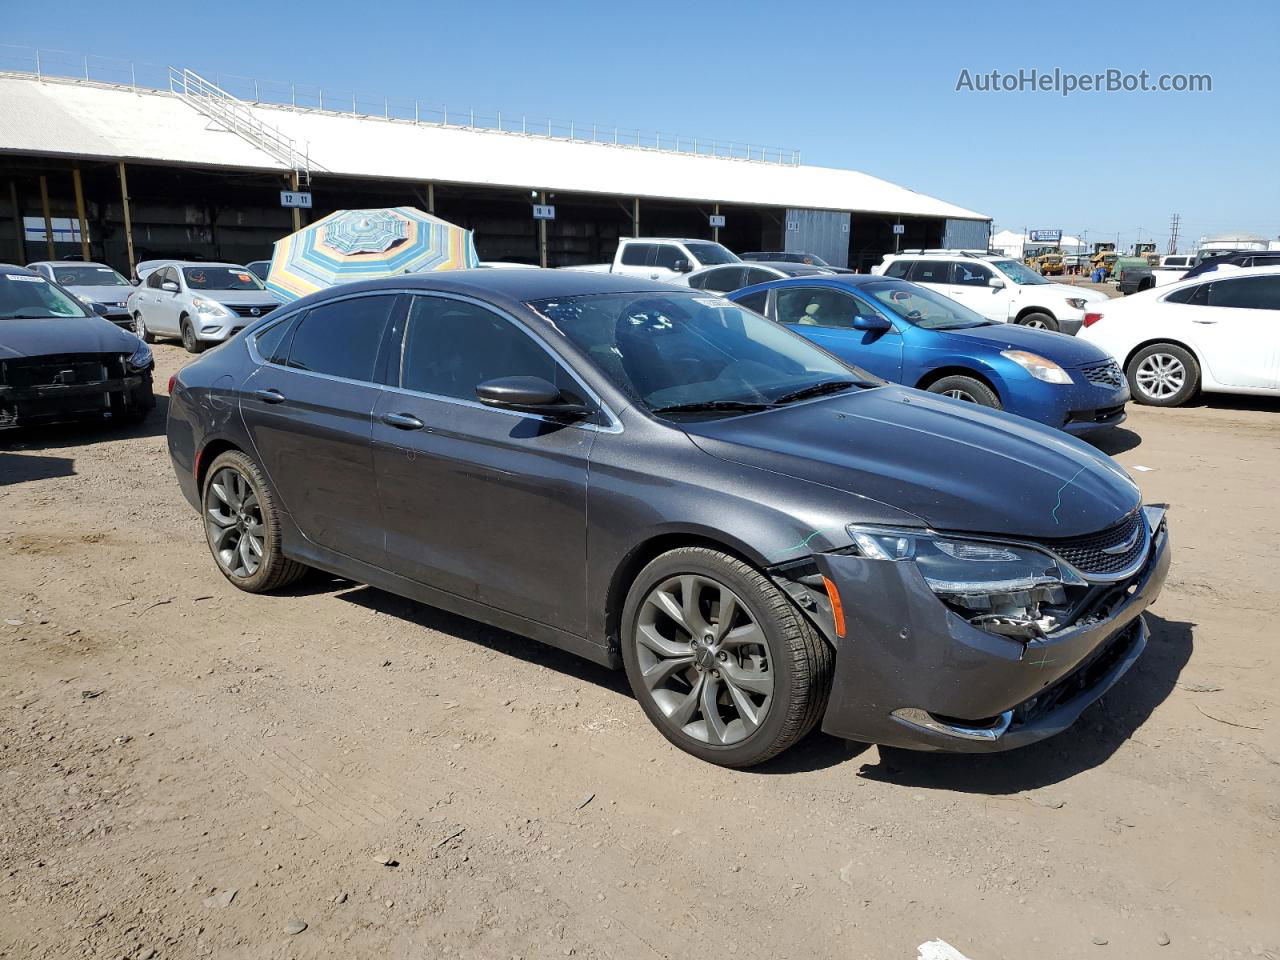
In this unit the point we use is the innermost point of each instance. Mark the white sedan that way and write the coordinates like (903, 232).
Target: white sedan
(1219, 333)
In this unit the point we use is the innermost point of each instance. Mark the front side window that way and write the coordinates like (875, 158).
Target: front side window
(23, 296)
(341, 339)
(667, 255)
(1019, 272)
(155, 278)
(922, 307)
(757, 302)
(452, 346)
(711, 254)
(971, 275)
(724, 279)
(220, 278)
(816, 307)
(675, 349)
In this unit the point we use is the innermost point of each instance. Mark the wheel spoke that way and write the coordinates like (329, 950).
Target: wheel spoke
(687, 707)
(664, 601)
(220, 536)
(649, 636)
(748, 712)
(756, 682)
(728, 610)
(711, 711)
(221, 519)
(749, 632)
(690, 592)
(662, 670)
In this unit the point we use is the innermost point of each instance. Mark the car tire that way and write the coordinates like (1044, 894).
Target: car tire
(968, 389)
(189, 340)
(242, 525)
(763, 696)
(141, 330)
(1039, 320)
(1163, 375)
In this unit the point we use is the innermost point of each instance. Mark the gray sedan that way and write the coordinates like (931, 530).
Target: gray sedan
(202, 303)
(97, 286)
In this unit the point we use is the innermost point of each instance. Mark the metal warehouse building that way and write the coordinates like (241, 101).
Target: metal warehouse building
(122, 171)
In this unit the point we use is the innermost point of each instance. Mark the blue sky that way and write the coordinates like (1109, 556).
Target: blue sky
(870, 87)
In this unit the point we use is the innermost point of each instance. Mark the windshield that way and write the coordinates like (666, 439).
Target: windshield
(1018, 272)
(664, 350)
(23, 296)
(88, 277)
(221, 278)
(922, 307)
(712, 254)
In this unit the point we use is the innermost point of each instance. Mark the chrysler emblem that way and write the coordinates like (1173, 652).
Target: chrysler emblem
(1125, 547)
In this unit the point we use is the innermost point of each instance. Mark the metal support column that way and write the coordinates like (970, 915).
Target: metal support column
(84, 223)
(48, 220)
(431, 198)
(635, 217)
(542, 235)
(19, 224)
(715, 231)
(297, 212)
(128, 219)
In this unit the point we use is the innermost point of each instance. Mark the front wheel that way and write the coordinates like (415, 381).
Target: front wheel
(242, 525)
(1163, 375)
(189, 339)
(720, 659)
(141, 330)
(968, 389)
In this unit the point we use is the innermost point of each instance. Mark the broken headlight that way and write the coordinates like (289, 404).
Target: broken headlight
(1003, 588)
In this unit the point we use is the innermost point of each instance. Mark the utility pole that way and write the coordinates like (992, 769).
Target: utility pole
(1173, 233)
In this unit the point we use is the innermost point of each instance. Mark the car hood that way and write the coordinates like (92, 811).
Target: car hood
(30, 338)
(955, 465)
(102, 294)
(237, 296)
(1063, 350)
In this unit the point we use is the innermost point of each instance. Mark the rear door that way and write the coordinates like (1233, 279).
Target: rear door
(487, 504)
(825, 316)
(309, 412)
(1239, 317)
(722, 279)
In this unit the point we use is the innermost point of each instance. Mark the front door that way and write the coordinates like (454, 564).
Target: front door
(825, 316)
(484, 503)
(971, 286)
(310, 416)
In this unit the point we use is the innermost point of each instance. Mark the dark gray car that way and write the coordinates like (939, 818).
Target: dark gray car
(655, 478)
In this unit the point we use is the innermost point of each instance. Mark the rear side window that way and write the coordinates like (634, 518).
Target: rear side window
(898, 269)
(453, 346)
(273, 343)
(759, 275)
(724, 279)
(341, 339)
(637, 254)
(930, 271)
(1246, 293)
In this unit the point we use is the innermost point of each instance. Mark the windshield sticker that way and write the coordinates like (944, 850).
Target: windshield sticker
(104, 269)
(717, 302)
(23, 278)
(244, 278)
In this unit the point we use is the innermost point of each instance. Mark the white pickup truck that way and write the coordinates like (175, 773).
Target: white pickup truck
(662, 258)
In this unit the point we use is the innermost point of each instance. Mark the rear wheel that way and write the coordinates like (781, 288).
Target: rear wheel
(968, 389)
(1039, 321)
(242, 525)
(1163, 375)
(189, 340)
(720, 659)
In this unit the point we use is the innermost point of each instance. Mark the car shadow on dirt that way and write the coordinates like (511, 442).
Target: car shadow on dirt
(1116, 441)
(78, 433)
(1100, 732)
(15, 468)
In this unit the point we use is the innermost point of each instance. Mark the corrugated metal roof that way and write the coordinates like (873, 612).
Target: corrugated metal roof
(89, 120)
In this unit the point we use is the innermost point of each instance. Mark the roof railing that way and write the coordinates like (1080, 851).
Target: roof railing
(44, 63)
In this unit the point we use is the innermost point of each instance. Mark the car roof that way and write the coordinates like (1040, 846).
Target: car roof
(202, 263)
(849, 280)
(1213, 275)
(69, 263)
(786, 265)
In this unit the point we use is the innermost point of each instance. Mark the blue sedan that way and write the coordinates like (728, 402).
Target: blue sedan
(908, 334)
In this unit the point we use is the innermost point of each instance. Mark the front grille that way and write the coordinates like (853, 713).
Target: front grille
(247, 309)
(1088, 554)
(1104, 374)
(63, 369)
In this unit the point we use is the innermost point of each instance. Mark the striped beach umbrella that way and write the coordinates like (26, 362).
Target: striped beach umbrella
(351, 245)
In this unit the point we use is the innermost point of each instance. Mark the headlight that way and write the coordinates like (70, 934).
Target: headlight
(141, 358)
(209, 308)
(1039, 367)
(1077, 302)
(1007, 589)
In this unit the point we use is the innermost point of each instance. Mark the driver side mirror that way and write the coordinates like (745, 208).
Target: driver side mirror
(871, 322)
(529, 395)
(170, 286)
(995, 283)
(682, 266)
(100, 309)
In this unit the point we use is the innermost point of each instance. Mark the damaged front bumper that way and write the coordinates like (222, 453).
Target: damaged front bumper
(911, 673)
(42, 403)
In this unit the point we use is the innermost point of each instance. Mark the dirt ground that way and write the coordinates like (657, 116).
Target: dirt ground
(188, 771)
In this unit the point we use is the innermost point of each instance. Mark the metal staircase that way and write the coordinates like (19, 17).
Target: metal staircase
(238, 117)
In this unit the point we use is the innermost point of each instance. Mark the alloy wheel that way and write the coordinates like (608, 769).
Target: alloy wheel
(704, 659)
(960, 395)
(1161, 376)
(1036, 325)
(233, 520)
(188, 337)
(140, 327)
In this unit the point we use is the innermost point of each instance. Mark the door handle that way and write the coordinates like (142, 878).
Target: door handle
(402, 421)
(1204, 321)
(269, 396)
